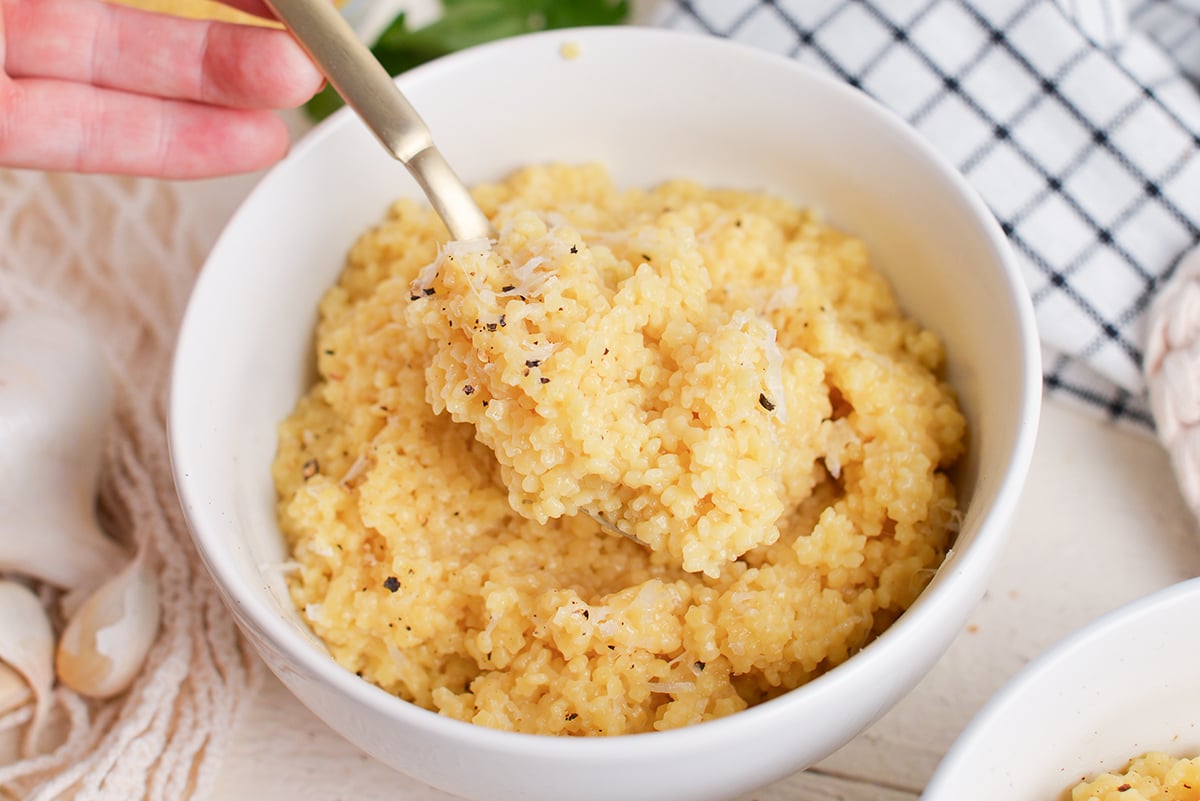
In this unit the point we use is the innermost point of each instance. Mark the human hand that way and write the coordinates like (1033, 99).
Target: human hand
(91, 87)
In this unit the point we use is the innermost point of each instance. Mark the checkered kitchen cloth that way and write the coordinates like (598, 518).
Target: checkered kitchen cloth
(1076, 120)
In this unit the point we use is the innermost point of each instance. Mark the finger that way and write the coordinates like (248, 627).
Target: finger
(58, 125)
(124, 48)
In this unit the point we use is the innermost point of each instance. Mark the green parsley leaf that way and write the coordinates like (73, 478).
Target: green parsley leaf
(466, 23)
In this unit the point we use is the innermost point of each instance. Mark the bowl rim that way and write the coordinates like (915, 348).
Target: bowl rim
(1050, 662)
(973, 566)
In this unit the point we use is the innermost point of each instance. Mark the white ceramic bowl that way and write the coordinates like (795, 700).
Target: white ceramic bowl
(1121, 686)
(652, 105)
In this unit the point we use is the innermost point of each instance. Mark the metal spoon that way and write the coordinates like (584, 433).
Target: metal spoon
(613, 528)
(368, 89)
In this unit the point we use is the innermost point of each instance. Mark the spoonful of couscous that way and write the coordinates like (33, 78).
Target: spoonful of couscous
(368, 89)
(647, 407)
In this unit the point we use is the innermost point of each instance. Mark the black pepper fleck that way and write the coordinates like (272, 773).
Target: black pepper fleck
(698, 665)
(468, 390)
(544, 380)
(572, 715)
(1124, 788)
(533, 362)
(586, 614)
(492, 326)
(502, 323)
(391, 583)
(574, 249)
(507, 288)
(765, 403)
(428, 291)
(310, 469)
(414, 297)
(645, 257)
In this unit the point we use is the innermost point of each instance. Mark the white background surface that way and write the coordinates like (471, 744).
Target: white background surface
(1100, 523)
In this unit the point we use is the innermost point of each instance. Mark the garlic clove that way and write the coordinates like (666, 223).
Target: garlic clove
(27, 647)
(56, 402)
(105, 643)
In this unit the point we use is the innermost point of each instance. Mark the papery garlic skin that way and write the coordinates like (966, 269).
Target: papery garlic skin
(56, 403)
(105, 643)
(14, 690)
(27, 647)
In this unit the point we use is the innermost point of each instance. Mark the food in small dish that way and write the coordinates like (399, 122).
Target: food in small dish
(1124, 684)
(722, 373)
(1152, 777)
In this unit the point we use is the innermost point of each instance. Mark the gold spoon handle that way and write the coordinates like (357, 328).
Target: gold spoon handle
(368, 89)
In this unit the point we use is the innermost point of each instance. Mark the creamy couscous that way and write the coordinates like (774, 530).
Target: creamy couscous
(1153, 777)
(721, 374)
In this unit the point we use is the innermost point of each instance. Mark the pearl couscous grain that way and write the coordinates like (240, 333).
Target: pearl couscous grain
(721, 372)
(1153, 777)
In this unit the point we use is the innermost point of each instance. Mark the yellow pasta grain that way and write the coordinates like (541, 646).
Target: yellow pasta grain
(1152, 777)
(723, 372)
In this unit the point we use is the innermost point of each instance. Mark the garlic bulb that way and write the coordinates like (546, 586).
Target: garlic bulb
(106, 641)
(26, 649)
(56, 400)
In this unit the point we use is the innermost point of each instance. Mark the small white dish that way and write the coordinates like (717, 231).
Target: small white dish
(652, 106)
(1124, 685)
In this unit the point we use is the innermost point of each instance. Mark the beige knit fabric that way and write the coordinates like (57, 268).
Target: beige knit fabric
(121, 254)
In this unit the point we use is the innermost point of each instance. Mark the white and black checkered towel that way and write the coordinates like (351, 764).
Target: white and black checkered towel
(1076, 120)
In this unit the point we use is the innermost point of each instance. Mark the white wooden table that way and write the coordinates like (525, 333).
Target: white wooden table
(1100, 523)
